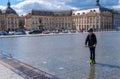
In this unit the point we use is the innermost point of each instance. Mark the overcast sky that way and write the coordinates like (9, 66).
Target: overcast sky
(24, 6)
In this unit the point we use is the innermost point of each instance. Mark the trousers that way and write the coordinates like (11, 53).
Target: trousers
(92, 53)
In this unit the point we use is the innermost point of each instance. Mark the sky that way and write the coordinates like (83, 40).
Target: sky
(24, 6)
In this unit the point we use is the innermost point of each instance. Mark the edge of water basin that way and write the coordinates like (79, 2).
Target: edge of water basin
(34, 35)
(24, 70)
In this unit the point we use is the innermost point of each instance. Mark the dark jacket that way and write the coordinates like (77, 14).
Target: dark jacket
(91, 40)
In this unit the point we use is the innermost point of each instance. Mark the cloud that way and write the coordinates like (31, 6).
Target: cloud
(24, 6)
(2, 7)
(117, 7)
(27, 5)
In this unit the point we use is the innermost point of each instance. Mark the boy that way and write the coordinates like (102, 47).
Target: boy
(91, 42)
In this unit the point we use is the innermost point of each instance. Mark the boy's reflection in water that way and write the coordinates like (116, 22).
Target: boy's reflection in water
(92, 72)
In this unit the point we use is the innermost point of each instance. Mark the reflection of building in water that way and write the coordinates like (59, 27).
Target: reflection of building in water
(92, 72)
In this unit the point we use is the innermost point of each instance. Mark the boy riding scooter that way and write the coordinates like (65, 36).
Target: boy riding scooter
(91, 42)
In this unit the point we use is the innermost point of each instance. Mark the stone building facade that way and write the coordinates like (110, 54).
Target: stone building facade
(98, 17)
(9, 19)
(116, 22)
(49, 20)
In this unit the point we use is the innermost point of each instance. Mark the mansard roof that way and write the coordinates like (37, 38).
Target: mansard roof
(96, 9)
(41, 13)
(51, 13)
(63, 13)
(9, 10)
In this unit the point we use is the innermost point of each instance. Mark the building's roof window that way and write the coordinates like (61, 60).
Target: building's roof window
(9, 10)
(90, 10)
(83, 12)
(78, 13)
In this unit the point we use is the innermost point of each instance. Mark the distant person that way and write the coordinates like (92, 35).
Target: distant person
(91, 42)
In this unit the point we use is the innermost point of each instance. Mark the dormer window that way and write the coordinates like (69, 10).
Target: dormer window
(94, 10)
(83, 12)
(90, 10)
(78, 13)
(73, 13)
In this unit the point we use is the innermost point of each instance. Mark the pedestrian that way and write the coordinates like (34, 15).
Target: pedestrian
(91, 42)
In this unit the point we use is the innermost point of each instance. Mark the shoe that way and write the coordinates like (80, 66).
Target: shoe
(91, 61)
(94, 62)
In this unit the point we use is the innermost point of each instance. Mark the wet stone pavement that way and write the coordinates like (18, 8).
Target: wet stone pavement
(24, 70)
(6, 73)
(65, 56)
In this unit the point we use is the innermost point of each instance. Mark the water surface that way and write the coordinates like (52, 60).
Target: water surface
(65, 55)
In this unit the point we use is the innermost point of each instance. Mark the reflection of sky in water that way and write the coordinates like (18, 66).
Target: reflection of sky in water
(66, 56)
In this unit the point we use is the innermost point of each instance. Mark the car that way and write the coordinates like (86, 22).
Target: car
(11, 33)
(3, 33)
(46, 32)
(35, 32)
(73, 31)
(18, 32)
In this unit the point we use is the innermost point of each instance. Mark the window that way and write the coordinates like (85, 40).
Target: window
(78, 13)
(73, 13)
(94, 10)
(40, 20)
(83, 12)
